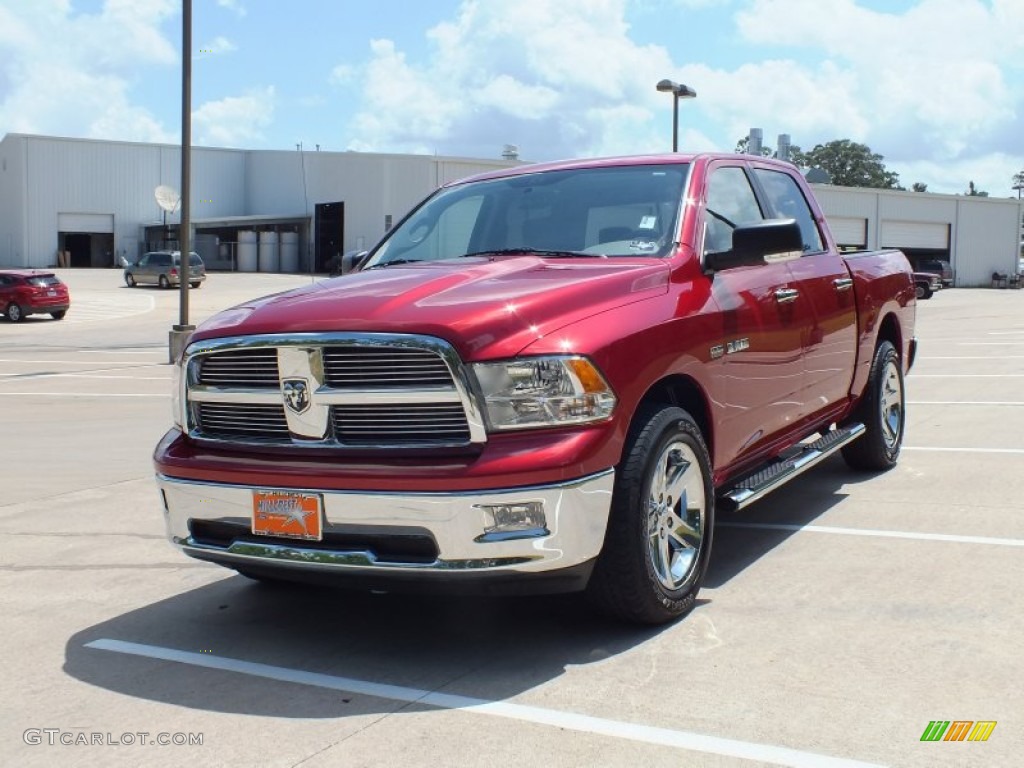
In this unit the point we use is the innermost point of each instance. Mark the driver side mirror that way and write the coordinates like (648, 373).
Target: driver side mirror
(753, 244)
(352, 261)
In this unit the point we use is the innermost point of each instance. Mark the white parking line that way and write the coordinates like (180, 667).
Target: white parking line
(583, 723)
(126, 363)
(870, 532)
(25, 376)
(75, 395)
(108, 308)
(962, 450)
(922, 358)
(964, 402)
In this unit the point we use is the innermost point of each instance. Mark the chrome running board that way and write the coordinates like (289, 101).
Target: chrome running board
(778, 472)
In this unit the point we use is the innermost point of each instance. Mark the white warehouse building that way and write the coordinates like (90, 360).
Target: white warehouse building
(97, 200)
(296, 210)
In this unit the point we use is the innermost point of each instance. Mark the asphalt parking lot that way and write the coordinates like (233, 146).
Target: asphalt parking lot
(842, 615)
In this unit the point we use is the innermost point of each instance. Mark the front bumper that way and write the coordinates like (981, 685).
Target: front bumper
(380, 539)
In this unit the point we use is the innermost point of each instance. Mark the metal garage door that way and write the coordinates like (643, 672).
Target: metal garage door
(101, 223)
(915, 234)
(850, 232)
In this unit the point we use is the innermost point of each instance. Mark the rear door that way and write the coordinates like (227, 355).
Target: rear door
(142, 270)
(826, 288)
(762, 316)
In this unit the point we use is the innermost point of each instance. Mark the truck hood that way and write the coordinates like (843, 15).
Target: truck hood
(485, 307)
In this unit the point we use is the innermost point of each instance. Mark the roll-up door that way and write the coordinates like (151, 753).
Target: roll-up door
(915, 234)
(100, 223)
(849, 232)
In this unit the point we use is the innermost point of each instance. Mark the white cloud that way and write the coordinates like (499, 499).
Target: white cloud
(343, 74)
(233, 5)
(556, 77)
(71, 73)
(234, 121)
(942, 79)
(218, 45)
(931, 80)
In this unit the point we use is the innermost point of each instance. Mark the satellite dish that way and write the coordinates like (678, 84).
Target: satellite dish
(167, 198)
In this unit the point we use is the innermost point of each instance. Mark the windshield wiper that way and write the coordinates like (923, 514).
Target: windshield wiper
(527, 251)
(396, 261)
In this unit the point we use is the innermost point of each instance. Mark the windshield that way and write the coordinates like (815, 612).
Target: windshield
(610, 211)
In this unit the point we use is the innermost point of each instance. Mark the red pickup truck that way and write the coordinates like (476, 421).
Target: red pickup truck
(545, 378)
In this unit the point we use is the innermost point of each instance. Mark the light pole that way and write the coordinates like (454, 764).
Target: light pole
(179, 333)
(678, 91)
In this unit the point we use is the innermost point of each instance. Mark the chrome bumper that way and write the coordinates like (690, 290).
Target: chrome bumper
(576, 517)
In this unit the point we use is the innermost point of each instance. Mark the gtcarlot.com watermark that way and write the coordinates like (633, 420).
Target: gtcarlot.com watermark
(82, 737)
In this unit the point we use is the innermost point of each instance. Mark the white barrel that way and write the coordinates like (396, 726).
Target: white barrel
(246, 251)
(269, 261)
(290, 252)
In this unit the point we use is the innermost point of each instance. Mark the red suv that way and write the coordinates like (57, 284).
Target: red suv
(26, 292)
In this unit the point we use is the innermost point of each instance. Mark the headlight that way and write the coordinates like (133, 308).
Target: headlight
(543, 392)
(176, 395)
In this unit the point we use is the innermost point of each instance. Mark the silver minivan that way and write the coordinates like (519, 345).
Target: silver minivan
(162, 268)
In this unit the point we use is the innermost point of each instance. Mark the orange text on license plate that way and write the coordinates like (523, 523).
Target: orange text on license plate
(283, 513)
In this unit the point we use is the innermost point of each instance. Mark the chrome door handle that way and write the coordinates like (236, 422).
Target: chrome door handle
(843, 283)
(786, 295)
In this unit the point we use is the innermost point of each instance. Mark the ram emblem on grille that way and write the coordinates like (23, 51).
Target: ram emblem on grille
(296, 394)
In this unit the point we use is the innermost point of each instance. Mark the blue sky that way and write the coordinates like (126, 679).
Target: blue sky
(936, 86)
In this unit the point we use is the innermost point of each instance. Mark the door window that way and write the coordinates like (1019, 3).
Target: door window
(730, 203)
(788, 202)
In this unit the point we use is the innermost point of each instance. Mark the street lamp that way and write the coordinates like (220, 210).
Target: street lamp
(678, 91)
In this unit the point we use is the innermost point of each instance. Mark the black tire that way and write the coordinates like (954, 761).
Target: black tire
(882, 410)
(14, 312)
(164, 282)
(195, 285)
(58, 315)
(923, 292)
(653, 561)
(129, 279)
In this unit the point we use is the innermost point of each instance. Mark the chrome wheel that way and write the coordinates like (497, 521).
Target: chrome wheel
(675, 515)
(14, 313)
(662, 520)
(892, 405)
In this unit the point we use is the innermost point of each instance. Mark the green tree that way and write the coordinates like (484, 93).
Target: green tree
(917, 186)
(852, 165)
(973, 191)
(1018, 182)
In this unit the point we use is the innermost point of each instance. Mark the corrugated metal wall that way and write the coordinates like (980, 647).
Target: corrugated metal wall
(43, 177)
(986, 240)
(981, 232)
(12, 202)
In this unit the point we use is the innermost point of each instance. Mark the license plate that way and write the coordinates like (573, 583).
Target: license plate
(288, 514)
(51, 293)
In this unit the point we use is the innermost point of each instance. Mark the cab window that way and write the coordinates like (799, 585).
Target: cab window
(730, 203)
(788, 202)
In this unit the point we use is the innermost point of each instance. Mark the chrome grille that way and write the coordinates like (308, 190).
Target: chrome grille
(363, 367)
(253, 421)
(331, 390)
(409, 424)
(240, 368)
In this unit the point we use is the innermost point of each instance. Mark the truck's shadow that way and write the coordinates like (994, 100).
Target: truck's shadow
(486, 648)
(491, 649)
(798, 503)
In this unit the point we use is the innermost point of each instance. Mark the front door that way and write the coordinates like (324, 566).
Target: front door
(825, 284)
(761, 335)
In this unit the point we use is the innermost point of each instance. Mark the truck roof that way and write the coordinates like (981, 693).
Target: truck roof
(607, 162)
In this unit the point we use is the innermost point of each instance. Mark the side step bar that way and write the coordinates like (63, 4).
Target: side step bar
(758, 484)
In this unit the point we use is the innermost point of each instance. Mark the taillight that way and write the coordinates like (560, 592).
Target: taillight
(174, 271)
